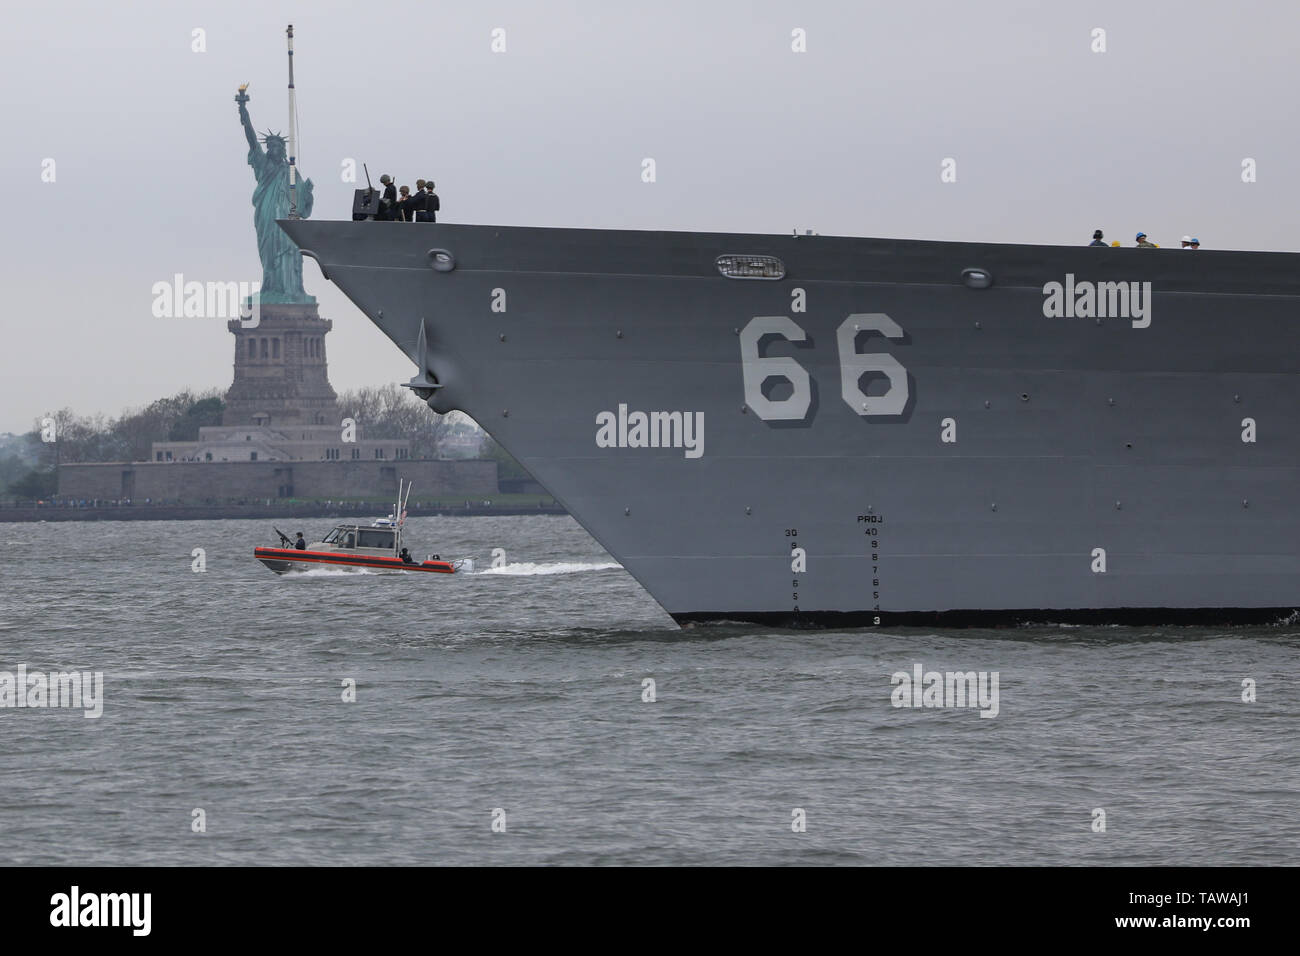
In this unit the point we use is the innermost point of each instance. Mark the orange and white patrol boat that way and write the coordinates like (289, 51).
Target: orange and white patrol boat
(377, 547)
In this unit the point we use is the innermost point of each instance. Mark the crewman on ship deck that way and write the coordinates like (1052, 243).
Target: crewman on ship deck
(388, 203)
(414, 205)
(431, 203)
(404, 204)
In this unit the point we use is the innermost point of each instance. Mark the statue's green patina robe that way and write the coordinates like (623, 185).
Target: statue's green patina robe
(281, 260)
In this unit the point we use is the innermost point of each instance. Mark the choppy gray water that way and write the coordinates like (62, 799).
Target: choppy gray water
(521, 689)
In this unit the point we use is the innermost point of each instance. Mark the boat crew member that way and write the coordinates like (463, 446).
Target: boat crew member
(1097, 239)
(388, 201)
(406, 557)
(1195, 244)
(301, 543)
(1187, 242)
(1142, 242)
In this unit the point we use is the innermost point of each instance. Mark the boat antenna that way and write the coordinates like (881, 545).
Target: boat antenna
(293, 135)
(399, 507)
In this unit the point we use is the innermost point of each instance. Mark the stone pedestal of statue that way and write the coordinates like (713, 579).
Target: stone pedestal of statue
(281, 373)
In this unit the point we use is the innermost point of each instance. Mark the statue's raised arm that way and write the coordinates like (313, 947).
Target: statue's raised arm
(250, 134)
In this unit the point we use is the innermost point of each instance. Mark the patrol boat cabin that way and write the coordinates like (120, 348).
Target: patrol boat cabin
(381, 538)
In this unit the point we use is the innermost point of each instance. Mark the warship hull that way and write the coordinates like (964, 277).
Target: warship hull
(847, 431)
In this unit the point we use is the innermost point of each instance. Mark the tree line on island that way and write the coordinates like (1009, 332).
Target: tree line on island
(28, 464)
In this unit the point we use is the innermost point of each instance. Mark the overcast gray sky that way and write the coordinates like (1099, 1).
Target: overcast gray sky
(1051, 141)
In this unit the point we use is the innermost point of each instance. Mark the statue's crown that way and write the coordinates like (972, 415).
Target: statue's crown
(271, 138)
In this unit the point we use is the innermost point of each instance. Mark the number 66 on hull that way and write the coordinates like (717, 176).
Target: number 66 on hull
(757, 368)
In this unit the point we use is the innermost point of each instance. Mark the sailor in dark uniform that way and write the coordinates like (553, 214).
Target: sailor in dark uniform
(387, 212)
(406, 557)
(301, 543)
(431, 203)
(415, 205)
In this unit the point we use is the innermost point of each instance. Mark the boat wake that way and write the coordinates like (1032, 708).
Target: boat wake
(327, 573)
(552, 567)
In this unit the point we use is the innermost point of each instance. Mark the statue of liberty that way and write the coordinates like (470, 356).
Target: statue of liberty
(281, 260)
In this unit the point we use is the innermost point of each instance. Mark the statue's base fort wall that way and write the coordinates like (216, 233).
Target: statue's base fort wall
(221, 481)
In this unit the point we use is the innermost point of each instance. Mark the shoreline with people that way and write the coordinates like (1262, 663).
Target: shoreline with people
(67, 509)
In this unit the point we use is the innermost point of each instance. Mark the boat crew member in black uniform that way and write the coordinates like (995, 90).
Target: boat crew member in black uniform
(406, 557)
(301, 543)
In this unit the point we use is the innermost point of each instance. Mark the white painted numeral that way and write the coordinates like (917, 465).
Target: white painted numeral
(758, 369)
(853, 364)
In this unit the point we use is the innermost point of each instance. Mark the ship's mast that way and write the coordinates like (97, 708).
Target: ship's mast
(293, 135)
